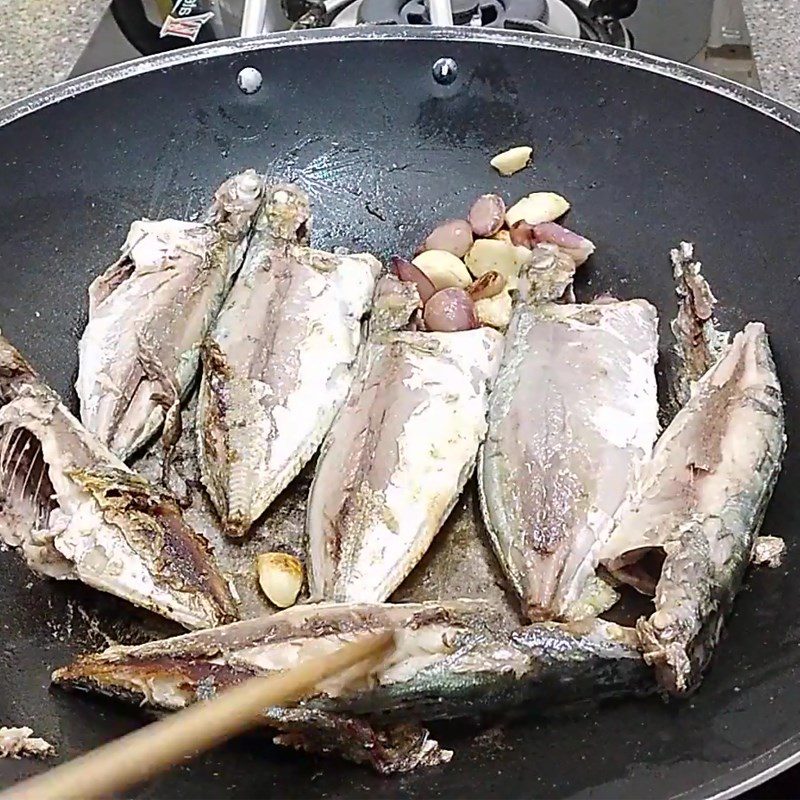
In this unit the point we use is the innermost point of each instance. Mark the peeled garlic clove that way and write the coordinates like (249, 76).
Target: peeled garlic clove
(489, 255)
(406, 271)
(450, 310)
(443, 269)
(488, 285)
(494, 311)
(577, 246)
(280, 576)
(537, 207)
(487, 215)
(513, 160)
(453, 236)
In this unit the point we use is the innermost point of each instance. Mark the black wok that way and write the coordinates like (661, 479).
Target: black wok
(648, 151)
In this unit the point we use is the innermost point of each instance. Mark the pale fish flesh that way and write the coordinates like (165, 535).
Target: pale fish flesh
(697, 508)
(21, 743)
(149, 312)
(459, 563)
(76, 511)
(397, 458)
(451, 659)
(572, 416)
(279, 361)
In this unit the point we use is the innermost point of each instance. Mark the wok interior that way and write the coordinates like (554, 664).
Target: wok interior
(645, 160)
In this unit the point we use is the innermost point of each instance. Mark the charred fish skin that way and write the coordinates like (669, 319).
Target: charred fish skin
(279, 361)
(148, 314)
(396, 459)
(450, 660)
(572, 416)
(76, 511)
(699, 502)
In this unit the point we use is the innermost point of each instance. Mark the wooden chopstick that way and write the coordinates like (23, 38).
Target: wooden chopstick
(140, 755)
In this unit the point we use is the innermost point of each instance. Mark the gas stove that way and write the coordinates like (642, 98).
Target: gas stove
(599, 22)
(711, 34)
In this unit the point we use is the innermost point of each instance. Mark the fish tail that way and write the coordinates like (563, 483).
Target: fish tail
(236, 527)
(240, 500)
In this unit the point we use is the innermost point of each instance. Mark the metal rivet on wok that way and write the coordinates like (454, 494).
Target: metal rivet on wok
(249, 80)
(445, 71)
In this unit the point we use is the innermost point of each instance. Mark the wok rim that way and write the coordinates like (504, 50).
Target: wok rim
(684, 73)
(758, 769)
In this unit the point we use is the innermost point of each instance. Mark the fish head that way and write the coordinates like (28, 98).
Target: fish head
(76, 511)
(286, 214)
(15, 372)
(235, 203)
(548, 275)
(176, 561)
(394, 304)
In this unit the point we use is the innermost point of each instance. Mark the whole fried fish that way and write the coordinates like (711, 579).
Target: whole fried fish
(697, 508)
(572, 415)
(451, 659)
(149, 312)
(279, 361)
(76, 511)
(397, 458)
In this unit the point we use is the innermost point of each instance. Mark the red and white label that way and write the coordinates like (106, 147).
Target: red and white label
(185, 27)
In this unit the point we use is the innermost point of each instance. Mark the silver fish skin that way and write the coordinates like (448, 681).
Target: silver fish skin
(698, 505)
(450, 660)
(396, 459)
(149, 312)
(539, 667)
(572, 416)
(279, 361)
(76, 511)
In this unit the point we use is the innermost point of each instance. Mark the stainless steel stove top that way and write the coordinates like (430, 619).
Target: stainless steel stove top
(711, 34)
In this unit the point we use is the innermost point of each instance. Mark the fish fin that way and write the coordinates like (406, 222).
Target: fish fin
(168, 397)
(170, 436)
(391, 750)
(699, 343)
(768, 551)
(103, 286)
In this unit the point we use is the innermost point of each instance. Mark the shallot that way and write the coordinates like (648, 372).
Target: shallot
(406, 271)
(450, 310)
(575, 245)
(453, 236)
(487, 215)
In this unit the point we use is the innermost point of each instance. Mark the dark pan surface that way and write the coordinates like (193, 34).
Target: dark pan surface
(646, 159)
